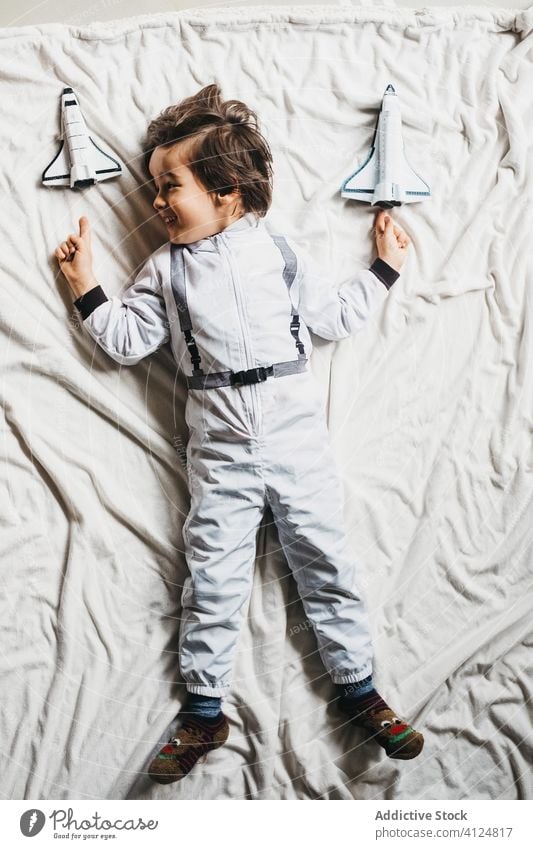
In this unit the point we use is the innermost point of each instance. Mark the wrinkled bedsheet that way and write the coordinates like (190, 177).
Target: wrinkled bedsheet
(430, 410)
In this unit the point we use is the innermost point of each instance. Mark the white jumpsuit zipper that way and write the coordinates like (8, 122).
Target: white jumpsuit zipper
(251, 390)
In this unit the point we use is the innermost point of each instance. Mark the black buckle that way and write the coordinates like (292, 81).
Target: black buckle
(252, 375)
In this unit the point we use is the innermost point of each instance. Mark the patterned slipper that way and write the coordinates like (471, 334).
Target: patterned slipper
(398, 738)
(193, 740)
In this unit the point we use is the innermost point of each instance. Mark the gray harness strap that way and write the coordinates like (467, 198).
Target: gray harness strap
(177, 280)
(199, 380)
(289, 273)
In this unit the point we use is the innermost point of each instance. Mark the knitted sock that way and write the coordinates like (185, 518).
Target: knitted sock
(206, 707)
(360, 697)
(355, 688)
(365, 707)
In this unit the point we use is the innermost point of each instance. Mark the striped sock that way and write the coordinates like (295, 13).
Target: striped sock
(355, 688)
(209, 723)
(360, 697)
(202, 707)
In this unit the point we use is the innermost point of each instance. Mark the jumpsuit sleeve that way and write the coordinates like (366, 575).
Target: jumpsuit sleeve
(336, 313)
(130, 328)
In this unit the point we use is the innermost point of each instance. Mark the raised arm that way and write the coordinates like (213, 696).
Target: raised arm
(127, 329)
(336, 313)
(130, 328)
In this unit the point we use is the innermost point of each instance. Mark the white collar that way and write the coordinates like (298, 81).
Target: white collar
(245, 222)
(248, 221)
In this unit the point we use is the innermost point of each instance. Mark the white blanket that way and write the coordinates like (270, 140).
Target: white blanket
(430, 411)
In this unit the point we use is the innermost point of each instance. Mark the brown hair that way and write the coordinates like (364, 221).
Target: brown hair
(228, 150)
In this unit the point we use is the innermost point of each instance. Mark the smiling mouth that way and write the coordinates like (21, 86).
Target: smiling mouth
(169, 220)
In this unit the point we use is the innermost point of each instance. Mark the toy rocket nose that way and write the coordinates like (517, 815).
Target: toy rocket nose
(390, 89)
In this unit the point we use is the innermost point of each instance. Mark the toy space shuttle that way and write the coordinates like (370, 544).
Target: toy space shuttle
(80, 160)
(385, 178)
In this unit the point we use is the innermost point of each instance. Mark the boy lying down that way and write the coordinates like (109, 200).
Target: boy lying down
(236, 303)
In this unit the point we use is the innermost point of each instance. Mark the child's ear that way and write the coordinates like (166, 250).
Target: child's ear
(229, 194)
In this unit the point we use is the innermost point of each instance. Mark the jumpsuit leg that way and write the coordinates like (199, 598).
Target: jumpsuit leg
(227, 504)
(305, 494)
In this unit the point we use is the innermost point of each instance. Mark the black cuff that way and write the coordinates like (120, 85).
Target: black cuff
(385, 272)
(88, 302)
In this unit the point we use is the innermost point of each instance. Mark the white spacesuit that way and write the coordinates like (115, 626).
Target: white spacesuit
(230, 305)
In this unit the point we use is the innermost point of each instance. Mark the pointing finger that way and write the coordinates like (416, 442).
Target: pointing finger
(382, 220)
(85, 229)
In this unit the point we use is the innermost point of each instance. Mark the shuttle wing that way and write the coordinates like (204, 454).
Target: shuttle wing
(362, 182)
(104, 165)
(414, 186)
(58, 172)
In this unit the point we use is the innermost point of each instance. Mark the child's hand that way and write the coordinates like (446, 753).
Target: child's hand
(76, 260)
(391, 241)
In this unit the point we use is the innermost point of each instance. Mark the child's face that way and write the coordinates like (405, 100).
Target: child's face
(196, 213)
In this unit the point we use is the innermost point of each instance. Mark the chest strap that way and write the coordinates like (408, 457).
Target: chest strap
(200, 380)
(289, 273)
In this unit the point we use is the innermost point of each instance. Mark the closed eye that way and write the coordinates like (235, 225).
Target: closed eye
(168, 186)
